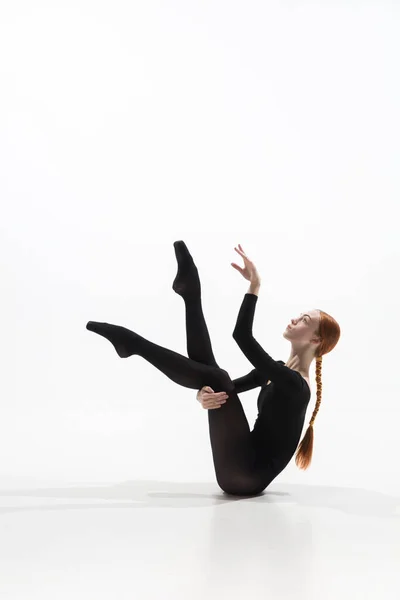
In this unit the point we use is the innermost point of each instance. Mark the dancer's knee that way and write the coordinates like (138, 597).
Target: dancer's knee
(222, 380)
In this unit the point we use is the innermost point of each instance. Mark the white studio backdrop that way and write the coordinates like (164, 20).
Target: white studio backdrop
(125, 127)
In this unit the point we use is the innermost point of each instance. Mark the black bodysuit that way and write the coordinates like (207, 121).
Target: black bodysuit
(245, 461)
(282, 404)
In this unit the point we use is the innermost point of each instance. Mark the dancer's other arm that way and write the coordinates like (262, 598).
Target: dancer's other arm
(245, 383)
(210, 399)
(249, 382)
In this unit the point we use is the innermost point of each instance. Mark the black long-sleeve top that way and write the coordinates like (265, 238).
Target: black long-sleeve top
(282, 404)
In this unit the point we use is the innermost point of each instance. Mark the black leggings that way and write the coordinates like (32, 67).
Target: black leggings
(231, 441)
(233, 451)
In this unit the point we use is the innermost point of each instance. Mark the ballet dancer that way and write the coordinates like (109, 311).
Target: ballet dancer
(245, 461)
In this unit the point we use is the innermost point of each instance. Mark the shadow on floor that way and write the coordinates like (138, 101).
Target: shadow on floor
(148, 494)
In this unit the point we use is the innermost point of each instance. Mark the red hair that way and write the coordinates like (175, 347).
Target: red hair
(329, 331)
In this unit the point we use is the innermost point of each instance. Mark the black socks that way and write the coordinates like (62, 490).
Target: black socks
(125, 342)
(187, 282)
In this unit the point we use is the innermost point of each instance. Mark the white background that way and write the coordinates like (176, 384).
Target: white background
(127, 126)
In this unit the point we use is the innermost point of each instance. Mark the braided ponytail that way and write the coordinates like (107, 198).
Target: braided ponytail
(305, 449)
(329, 332)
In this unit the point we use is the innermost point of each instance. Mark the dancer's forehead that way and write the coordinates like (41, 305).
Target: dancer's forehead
(310, 316)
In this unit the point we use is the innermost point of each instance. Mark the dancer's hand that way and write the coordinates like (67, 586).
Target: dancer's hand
(210, 399)
(249, 271)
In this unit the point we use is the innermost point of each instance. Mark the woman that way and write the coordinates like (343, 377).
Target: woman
(245, 461)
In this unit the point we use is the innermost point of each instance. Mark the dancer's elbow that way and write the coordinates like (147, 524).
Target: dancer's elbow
(239, 335)
(244, 339)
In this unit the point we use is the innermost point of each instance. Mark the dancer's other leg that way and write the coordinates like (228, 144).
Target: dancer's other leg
(232, 448)
(187, 284)
(233, 452)
(178, 368)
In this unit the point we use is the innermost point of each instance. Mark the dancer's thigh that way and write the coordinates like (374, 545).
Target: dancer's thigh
(231, 440)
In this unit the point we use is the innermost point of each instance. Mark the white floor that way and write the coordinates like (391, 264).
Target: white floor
(167, 540)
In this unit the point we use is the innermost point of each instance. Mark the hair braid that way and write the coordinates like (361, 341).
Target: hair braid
(305, 449)
(329, 332)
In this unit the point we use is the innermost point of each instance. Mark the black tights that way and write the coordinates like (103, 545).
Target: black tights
(232, 446)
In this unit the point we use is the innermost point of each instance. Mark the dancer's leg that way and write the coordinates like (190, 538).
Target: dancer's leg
(232, 448)
(230, 437)
(178, 368)
(187, 284)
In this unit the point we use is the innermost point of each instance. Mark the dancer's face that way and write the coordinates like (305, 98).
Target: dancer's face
(304, 327)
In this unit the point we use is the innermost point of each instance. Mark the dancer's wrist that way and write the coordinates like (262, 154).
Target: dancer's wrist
(254, 288)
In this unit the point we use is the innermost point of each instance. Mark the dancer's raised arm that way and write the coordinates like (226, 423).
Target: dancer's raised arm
(266, 367)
